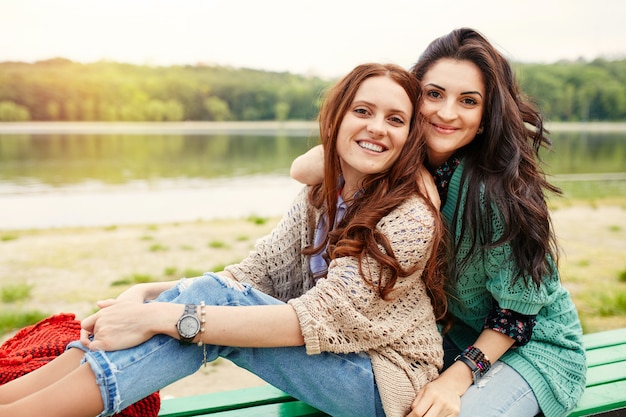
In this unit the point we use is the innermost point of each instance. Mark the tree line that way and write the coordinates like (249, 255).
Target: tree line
(62, 90)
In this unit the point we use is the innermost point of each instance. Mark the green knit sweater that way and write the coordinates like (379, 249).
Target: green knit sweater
(553, 362)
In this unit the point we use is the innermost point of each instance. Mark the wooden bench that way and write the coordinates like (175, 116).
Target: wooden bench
(604, 396)
(262, 401)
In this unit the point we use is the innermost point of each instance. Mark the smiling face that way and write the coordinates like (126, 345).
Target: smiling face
(373, 131)
(454, 96)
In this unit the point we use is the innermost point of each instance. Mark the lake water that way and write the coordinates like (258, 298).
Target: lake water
(60, 175)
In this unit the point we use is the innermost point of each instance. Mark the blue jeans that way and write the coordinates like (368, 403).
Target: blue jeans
(338, 384)
(501, 392)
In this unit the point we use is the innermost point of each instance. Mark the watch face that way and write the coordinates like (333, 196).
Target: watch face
(188, 326)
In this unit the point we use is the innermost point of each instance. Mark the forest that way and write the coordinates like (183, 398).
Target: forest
(61, 90)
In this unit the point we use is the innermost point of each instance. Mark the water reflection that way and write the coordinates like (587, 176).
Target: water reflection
(61, 160)
(56, 180)
(586, 153)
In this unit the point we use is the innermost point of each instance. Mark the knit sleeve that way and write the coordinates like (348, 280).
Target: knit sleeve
(343, 313)
(511, 293)
(276, 260)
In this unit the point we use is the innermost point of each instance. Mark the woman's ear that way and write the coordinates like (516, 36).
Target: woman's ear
(480, 130)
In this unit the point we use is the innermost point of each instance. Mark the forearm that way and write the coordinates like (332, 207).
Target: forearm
(139, 293)
(308, 168)
(492, 344)
(153, 289)
(241, 326)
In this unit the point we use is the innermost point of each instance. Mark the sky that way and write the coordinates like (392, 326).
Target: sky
(325, 38)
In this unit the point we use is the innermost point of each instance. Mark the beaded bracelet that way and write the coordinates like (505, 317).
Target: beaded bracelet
(202, 322)
(479, 358)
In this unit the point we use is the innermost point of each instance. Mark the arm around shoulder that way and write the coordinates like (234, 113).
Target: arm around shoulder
(308, 168)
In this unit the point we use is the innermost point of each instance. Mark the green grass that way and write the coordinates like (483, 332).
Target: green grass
(257, 220)
(157, 247)
(170, 271)
(15, 293)
(133, 279)
(592, 191)
(190, 273)
(12, 320)
(8, 238)
(612, 304)
(217, 244)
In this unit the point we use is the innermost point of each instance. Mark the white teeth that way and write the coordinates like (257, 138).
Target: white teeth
(371, 146)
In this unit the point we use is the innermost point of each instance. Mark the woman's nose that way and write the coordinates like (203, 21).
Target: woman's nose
(447, 110)
(376, 127)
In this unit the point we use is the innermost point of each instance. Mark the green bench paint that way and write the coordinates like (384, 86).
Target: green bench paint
(262, 401)
(604, 396)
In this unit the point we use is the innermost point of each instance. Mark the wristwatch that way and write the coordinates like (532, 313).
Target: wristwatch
(475, 370)
(188, 324)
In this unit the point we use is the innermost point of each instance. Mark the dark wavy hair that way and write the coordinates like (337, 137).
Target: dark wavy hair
(356, 235)
(504, 158)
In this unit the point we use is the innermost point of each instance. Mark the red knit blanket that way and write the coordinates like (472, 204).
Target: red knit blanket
(36, 345)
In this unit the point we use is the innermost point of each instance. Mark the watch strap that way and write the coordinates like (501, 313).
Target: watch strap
(475, 370)
(190, 310)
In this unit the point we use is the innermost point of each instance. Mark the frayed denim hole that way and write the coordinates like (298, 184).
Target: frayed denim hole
(485, 379)
(232, 283)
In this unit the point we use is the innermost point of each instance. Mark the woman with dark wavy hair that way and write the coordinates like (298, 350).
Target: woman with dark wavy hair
(514, 344)
(333, 307)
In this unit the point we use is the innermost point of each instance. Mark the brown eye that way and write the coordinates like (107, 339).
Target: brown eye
(468, 101)
(396, 121)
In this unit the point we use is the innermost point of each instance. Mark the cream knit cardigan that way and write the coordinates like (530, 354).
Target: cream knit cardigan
(342, 313)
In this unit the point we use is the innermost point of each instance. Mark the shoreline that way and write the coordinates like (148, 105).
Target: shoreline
(219, 199)
(294, 127)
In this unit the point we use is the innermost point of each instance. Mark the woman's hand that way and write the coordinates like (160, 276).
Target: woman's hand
(442, 397)
(135, 294)
(139, 293)
(123, 324)
(436, 399)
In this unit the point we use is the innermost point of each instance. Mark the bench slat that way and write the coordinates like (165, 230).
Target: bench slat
(218, 401)
(289, 409)
(604, 374)
(605, 338)
(610, 354)
(601, 398)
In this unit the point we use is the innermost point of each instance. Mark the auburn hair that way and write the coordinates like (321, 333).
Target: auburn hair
(357, 235)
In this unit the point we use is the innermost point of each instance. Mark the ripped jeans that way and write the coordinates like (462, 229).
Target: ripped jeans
(501, 392)
(338, 384)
